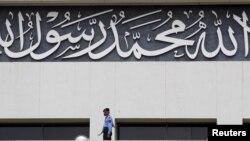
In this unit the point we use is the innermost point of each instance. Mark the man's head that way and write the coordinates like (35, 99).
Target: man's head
(106, 111)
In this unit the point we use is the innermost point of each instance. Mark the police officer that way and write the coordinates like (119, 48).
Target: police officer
(108, 124)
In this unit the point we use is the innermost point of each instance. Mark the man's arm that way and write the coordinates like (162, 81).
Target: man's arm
(110, 125)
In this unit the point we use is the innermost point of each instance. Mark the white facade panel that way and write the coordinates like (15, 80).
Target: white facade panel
(229, 93)
(246, 90)
(67, 90)
(19, 89)
(140, 90)
(149, 90)
(191, 90)
(64, 90)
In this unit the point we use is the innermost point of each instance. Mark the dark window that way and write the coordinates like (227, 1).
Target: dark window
(178, 133)
(162, 131)
(142, 132)
(43, 131)
(18, 132)
(62, 132)
(199, 133)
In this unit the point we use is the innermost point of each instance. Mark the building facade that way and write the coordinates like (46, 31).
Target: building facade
(141, 92)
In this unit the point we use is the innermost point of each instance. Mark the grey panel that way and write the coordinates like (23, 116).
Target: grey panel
(55, 132)
(162, 131)
(21, 133)
(43, 132)
(142, 132)
(199, 133)
(179, 133)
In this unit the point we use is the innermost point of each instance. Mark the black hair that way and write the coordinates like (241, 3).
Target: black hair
(106, 109)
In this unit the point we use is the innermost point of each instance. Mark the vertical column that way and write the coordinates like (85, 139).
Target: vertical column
(229, 92)
(140, 90)
(246, 90)
(19, 90)
(102, 95)
(191, 90)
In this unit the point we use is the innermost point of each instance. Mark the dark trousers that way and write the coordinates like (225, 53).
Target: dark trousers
(105, 134)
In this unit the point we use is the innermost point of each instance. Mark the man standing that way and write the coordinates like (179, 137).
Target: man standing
(108, 124)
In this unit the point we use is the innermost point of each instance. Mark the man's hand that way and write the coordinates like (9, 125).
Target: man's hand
(100, 133)
(108, 136)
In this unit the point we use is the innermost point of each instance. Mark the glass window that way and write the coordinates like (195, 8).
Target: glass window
(43, 131)
(65, 132)
(178, 133)
(21, 132)
(142, 132)
(199, 133)
(162, 131)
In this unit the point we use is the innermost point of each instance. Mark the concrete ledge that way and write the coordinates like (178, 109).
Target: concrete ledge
(40, 120)
(118, 2)
(160, 120)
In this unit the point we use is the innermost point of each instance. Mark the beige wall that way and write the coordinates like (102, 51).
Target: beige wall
(136, 90)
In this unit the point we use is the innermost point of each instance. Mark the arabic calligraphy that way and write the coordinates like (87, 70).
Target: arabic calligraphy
(124, 33)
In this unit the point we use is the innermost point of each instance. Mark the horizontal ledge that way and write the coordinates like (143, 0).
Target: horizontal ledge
(117, 2)
(168, 120)
(43, 120)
